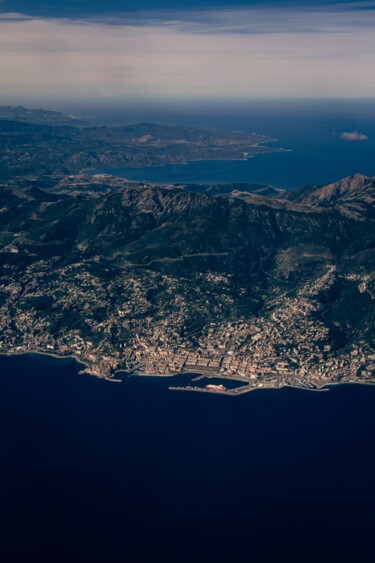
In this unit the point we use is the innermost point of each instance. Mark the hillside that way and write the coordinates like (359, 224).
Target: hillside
(154, 279)
(353, 197)
(38, 142)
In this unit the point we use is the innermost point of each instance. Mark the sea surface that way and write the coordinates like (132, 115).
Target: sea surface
(121, 472)
(311, 131)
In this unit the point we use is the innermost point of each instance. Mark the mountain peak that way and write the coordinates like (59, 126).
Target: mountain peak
(352, 196)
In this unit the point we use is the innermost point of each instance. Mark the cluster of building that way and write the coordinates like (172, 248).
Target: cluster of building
(119, 325)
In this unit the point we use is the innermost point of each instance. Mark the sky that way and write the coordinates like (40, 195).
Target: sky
(176, 50)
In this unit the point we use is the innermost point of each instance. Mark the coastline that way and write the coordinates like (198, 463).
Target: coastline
(48, 354)
(243, 390)
(250, 155)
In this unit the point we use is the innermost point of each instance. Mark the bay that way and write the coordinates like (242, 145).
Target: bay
(310, 131)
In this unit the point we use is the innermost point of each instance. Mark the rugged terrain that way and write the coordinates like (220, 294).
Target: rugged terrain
(33, 142)
(271, 288)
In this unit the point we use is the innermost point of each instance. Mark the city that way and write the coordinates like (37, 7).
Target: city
(287, 345)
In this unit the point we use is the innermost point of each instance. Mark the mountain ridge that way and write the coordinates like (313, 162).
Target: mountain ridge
(352, 196)
(29, 148)
(116, 273)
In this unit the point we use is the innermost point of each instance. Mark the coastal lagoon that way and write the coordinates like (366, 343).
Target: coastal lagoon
(99, 471)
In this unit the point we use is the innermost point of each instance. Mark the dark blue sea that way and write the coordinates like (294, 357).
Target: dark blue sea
(311, 131)
(97, 471)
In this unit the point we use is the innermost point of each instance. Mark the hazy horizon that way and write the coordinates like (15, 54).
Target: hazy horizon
(224, 113)
(212, 51)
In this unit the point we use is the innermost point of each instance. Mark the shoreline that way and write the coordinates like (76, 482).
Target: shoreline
(237, 391)
(111, 171)
(48, 354)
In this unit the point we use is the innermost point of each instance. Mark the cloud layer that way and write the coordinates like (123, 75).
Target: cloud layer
(326, 51)
(353, 136)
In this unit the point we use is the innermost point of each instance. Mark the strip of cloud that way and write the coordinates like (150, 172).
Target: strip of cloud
(304, 18)
(353, 136)
(101, 8)
(254, 19)
(14, 16)
(230, 54)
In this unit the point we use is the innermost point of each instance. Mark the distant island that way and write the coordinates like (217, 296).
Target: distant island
(238, 282)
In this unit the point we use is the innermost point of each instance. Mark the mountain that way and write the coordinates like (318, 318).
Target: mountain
(40, 116)
(275, 289)
(353, 197)
(37, 142)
